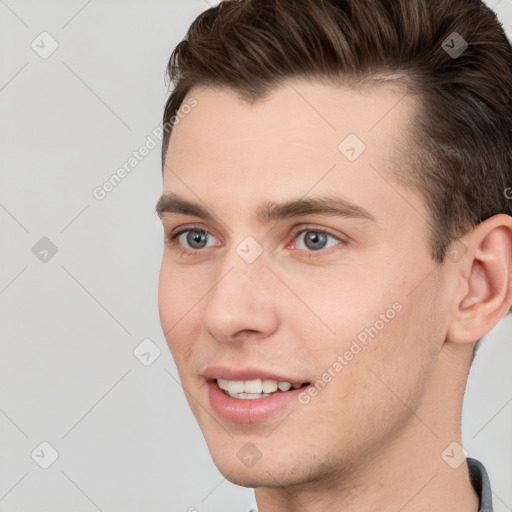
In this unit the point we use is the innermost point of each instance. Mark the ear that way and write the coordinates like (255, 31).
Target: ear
(485, 294)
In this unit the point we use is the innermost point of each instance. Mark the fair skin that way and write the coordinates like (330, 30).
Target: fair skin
(373, 437)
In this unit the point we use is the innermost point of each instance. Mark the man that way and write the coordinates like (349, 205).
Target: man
(338, 227)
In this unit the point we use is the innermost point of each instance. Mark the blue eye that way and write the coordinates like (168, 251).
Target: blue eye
(316, 240)
(192, 238)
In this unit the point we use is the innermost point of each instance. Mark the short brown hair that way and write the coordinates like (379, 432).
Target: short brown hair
(459, 155)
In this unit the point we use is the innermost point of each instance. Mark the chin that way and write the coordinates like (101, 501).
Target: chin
(247, 479)
(255, 477)
(269, 471)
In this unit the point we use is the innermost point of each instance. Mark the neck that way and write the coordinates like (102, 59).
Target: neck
(413, 472)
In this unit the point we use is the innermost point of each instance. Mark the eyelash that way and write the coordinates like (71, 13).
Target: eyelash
(172, 240)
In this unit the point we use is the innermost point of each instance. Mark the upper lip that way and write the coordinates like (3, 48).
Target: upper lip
(230, 373)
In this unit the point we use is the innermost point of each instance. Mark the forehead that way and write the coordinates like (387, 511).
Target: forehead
(312, 115)
(302, 136)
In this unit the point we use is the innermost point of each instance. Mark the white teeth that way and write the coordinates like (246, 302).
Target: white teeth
(269, 386)
(250, 396)
(253, 386)
(256, 388)
(234, 386)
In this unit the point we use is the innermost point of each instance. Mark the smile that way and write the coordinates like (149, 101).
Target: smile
(255, 388)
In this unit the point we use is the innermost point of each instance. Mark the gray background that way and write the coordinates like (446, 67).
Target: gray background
(69, 325)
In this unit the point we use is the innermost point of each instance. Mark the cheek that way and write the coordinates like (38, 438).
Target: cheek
(369, 318)
(166, 299)
(340, 301)
(363, 385)
(179, 290)
(178, 301)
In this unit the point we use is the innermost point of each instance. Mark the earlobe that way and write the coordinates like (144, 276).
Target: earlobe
(488, 283)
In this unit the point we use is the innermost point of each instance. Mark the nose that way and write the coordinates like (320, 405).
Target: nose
(240, 304)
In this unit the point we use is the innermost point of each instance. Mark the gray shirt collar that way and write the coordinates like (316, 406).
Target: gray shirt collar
(480, 480)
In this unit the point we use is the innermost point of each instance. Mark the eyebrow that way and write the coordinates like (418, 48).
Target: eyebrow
(333, 205)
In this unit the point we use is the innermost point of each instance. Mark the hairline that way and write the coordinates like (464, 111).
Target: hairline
(400, 80)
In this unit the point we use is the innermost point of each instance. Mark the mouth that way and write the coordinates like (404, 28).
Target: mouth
(250, 395)
(255, 389)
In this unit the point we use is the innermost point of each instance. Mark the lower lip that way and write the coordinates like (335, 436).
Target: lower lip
(249, 410)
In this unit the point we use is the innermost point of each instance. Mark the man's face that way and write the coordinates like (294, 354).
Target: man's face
(351, 301)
